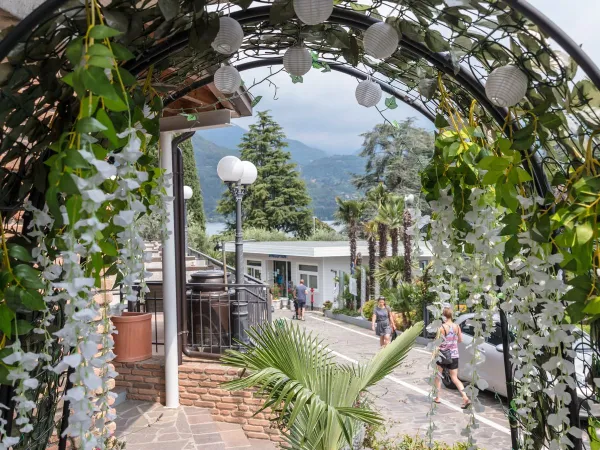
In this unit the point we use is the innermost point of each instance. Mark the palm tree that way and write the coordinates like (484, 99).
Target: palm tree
(317, 402)
(370, 229)
(350, 213)
(402, 300)
(391, 271)
(390, 213)
(377, 198)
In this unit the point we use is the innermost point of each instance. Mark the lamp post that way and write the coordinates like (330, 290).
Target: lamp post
(188, 192)
(237, 175)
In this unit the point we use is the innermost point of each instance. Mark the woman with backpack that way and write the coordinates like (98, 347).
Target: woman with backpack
(448, 355)
(383, 322)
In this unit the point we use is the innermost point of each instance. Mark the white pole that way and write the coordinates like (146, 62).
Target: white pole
(169, 283)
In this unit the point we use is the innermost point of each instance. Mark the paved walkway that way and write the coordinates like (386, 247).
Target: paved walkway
(403, 397)
(151, 426)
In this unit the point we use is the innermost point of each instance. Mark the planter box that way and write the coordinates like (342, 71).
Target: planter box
(133, 342)
(358, 321)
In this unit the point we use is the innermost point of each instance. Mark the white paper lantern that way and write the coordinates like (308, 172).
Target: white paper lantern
(380, 40)
(506, 86)
(227, 79)
(368, 93)
(313, 12)
(230, 36)
(297, 61)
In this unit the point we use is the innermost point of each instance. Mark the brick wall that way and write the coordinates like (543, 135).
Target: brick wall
(199, 385)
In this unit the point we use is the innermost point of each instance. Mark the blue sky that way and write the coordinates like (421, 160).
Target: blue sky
(322, 111)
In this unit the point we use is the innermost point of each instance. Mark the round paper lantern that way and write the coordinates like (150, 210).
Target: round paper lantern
(227, 79)
(297, 61)
(380, 40)
(230, 36)
(313, 12)
(368, 93)
(506, 86)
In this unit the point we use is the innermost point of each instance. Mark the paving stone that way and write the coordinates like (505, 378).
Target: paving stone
(182, 423)
(208, 438)
(204, 428)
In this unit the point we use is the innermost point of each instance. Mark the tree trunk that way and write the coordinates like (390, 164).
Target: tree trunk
(352, 236)
(407, 222)
(383, 241)
(394, 238)
(372, 256)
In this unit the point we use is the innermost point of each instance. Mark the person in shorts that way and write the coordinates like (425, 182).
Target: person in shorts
(451, 336)
(301, 299)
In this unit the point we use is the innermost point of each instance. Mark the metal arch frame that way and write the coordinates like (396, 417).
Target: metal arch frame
(440, 61)
(277, 61)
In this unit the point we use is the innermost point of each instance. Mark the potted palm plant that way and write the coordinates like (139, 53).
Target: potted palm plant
(316, 402)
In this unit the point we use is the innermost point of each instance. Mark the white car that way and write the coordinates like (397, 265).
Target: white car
(492, 369)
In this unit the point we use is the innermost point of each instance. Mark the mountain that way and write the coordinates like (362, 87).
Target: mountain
(326, 176)
(230, 137)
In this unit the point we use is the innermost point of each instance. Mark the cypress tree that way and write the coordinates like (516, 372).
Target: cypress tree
(278, 199)
(195, 205)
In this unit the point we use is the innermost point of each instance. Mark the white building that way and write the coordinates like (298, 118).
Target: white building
(316, 262)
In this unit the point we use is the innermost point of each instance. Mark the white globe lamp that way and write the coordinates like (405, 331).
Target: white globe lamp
(230, 36)
(313, 12)
(506, 86)
(368, 93)
(380, 40)
(409, 199)
(297, 61)
(250, 173)
(227, 79)
(188, 192)
(230, 169)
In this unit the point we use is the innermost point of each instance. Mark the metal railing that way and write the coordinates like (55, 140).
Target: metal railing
(213, 314)
(199, 254)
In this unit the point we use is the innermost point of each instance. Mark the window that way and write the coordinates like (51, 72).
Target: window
(254, 269)
(310, 279)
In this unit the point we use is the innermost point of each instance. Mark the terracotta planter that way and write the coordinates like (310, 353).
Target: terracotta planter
(133, 342)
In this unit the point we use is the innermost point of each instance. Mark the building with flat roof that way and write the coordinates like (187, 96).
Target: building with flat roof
(318, 263)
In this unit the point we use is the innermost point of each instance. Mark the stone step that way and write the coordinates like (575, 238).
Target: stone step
(121, 396)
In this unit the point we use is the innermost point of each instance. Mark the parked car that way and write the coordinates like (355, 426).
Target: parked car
(492, 369)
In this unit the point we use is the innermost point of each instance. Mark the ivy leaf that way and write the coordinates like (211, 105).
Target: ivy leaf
(121, 53)
(6, 318)
(256, 100)
(511, 248)
(440, 121)
(427, 88)
(108, 248)
(23, 327)
(74, 208)
(390, 102)
(359, 7)
(169, 8)
(101, 61)
(592, 306)
(550, 120)
(518, 175)
(96, 81)
(281, 11)
(99, 50)
(296, 79)
(33, 301)
(436, 42)
(102, 31)
(74, 51)
(109, 129)
(89, 125)
(351, 55)
(28, 276)
(20, 253)
(584, 233)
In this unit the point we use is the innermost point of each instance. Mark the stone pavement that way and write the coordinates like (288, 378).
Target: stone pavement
(403, 397)
(151, 426)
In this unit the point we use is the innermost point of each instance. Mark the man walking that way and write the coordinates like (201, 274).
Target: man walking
(301, 299)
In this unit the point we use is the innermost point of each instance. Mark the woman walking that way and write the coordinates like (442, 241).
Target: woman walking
(382, 322)
(448, 356)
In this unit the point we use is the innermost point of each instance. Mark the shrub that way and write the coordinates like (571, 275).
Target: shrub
(346, 312)
(327, 305)
(275, 289)
(376, 438)
(367, 309)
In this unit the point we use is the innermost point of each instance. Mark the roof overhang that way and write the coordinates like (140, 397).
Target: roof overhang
(194, 122)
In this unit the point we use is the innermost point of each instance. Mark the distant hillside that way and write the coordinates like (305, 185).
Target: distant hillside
(230, 137)
(326, 176)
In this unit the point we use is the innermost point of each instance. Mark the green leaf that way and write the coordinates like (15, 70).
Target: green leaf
(23, 327)
(74, 208)
(99, 50)
(102, 31)
(33, 301)
(296, 79)
(584, 233)
(256, 100)
(74, 51)
(281, 11)
(440, 121)
(495, 163)
(435, 41)
(28, 276)
(518, 175)
(524, 144)
(592, 306)
(359, 7)
(6, 318)
(121, 53)
(491, 177)
(96, 81)
(511, 248)
(128, 79)
(101, 61)
(550, 120)
(20, 253)
(108, 248)
(89, 125)
(390, 103)
(109, 129)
